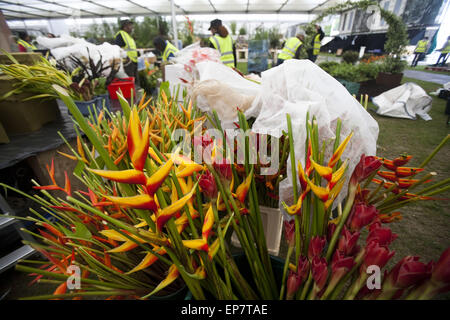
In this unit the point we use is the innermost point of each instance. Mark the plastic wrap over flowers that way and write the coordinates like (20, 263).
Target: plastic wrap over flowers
(299, 86)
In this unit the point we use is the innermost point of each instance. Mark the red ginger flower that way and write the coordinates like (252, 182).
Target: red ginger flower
(441, 271)
(340, 265)
(383, 236)
(376, 255)
(289, 231)
(364, 168)
(293, 283)
(407, 272)
(208, 185)
(361, 215)
(316, 246)
(224, 169)
(347, 244)
(319, 269)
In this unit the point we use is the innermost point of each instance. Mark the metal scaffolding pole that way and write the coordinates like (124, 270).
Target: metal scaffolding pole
(174, 24)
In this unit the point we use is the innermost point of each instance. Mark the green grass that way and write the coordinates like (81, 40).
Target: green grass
(424, 230)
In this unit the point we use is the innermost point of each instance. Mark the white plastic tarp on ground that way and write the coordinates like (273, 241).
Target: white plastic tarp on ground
(406, 101)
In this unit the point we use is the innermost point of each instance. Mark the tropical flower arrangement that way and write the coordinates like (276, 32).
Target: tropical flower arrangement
(152, 221)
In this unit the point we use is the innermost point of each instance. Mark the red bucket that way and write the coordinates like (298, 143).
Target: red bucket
(124, 84)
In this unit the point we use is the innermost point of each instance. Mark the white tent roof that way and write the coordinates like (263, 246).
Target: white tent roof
(63, 9)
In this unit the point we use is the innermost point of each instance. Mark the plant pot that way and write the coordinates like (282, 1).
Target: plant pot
(389, 80)
(272, 220)
(84, 106)
(241, 261)
(352, 87)
(103, 99)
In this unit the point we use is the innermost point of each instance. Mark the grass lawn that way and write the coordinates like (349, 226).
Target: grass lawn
(425, 228)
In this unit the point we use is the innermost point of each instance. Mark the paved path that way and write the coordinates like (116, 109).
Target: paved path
(427, 76)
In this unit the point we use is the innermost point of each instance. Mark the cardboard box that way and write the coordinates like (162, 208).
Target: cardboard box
(20, 116)
(3, 136)
(28, 58)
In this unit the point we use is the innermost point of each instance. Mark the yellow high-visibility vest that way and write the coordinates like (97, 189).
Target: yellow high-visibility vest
(289, 49)
(225, 47)
(26, 45)
(170, 48)
(130, 45)
(317, 44)
(421, 46)
(447, 47)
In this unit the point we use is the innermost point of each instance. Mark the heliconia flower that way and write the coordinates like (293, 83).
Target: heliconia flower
(319, 270)
(67, 186)
(338, 153)
(292, 285)
(406, 183)
(62, 288)
(302, 175)
(200, 273)
(154, 156)
(376, 255)
(441, 271)
(407, 272)
(316, 246)
(165, 214)
(407, 172)
(208, 222)
(340, 266)
(137, 140)
(295, 209)
(334, 193)
(131, 176)
(172, 275)
(208, 185)
(196, 244)
(361, 215)
(338, 174)
(148, 260)
(402, 160)
(289, 231)
(213, 249)
(366, 166)
(324, 171)
(390, 217)
(388, 175)
(154, 182)
(383, 236)
(389, 164)
(321, 192)
(242, 189)
(124, 247)
(141, 201)
(348, 241)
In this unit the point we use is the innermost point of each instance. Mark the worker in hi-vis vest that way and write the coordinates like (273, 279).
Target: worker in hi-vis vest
(313, 52)
(221, 40)
(124, 40)
(445, 50)
(291, 48)
(24, 42)
(419, 52)
(165, 47)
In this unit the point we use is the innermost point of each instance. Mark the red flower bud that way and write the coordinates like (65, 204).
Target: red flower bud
(347, 244)
(319, 269)
(303, 267)
(383, 236)
(289, 232)
(376, 255)
(316, 246)
(364, 168)
(293, 283)
(361, 215)
(407, 272)
(330, 231)
(208, 185)
(340, 265)
(224, 169)
(441, 271)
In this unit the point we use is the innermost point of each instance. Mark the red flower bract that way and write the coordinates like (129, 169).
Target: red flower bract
(289, 231)
(347, 244)
(224, 169)
(208, 185)
(383, 236)
(364, 168)
(441, 271)
(361, 215)
(316, 246)
(376, 255)
(407, 272)
(319, 271)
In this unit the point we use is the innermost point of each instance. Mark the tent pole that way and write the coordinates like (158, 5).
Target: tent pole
(174, 24)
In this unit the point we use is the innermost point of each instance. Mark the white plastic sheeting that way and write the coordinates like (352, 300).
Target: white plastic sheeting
(406, 101)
